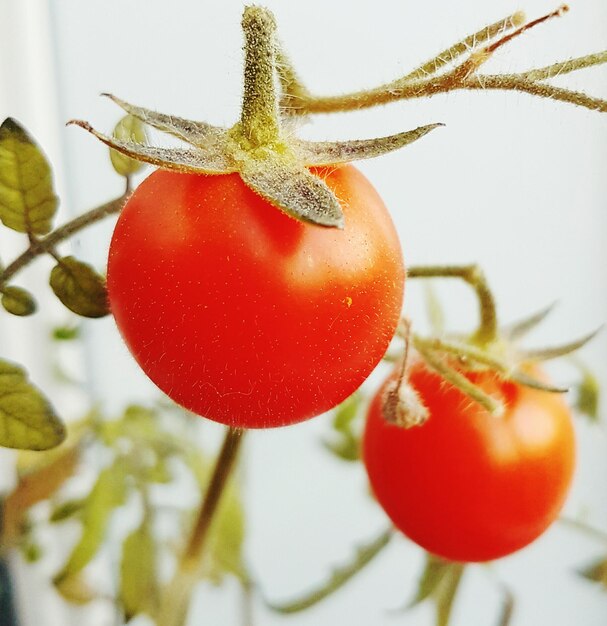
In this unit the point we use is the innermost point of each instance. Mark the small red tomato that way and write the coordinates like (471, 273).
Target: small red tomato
(468, 486)
(243, 314)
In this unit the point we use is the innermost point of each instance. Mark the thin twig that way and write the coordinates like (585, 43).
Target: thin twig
(47, 244)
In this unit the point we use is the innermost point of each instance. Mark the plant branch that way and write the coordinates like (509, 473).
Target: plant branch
(177, 594)
(487, 330)
(47, 244)
(425, 81)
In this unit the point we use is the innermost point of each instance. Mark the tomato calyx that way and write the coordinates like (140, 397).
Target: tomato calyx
(260, 147)
(488, 349)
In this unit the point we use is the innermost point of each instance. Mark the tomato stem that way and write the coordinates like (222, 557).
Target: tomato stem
(177, 594)
(487, 331)
(259, 121)
(46, 244)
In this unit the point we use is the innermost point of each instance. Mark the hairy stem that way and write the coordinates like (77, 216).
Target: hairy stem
(259, 121)
(47, 244)
(487, 331)
(177, 595)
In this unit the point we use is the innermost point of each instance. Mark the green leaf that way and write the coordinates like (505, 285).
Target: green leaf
(27, 200)
(66, 333)
(138, 585)
(439, 582)
(129, 128)
(66, 510)
(18, 301)
(596, 572)
(587, 396)
(108, 493)
(27, 420)
(346, 442)
(80, 288)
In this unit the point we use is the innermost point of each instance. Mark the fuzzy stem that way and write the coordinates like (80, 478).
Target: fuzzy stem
(177, 594)
(259, 119)
(46, 245)
(460, 381)
(487, 331)
(466, 45)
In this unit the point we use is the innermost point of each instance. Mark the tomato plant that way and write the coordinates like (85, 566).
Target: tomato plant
(243, 314)
(469, 486)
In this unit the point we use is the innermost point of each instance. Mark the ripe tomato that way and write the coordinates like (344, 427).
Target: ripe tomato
(468, 486)
(243, 314)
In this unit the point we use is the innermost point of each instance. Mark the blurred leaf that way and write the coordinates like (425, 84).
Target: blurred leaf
(434, 309)
(66, 510)
(32, 552)
(35, 487)
(27, 201)
(18, 301)
(138, 585)
(588, 395)
(439, 582)
(596, 572)
(108, 493)
(66, 333)
(80, 288)
(339, 576)
(345, 443)
(27, 420)
(75, 590)
(129, 128)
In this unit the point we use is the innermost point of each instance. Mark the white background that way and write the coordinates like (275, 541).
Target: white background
(515, 183)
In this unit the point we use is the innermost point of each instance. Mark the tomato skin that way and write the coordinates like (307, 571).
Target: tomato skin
(243, 314)
(468, 486)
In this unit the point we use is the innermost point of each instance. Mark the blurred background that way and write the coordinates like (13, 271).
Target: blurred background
(514, 183)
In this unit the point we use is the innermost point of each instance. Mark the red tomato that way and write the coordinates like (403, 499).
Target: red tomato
(245, 315)
(468, 486)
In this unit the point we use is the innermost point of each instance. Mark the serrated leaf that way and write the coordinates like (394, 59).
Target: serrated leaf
(80, 288)
(210, 159)
(129, 128)
(596, 572)
(27, 201)
(320, 153)
(27, 420)
(439, 582)
(294, 190)
(108, 493)
(18, 301)
(138, 584)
